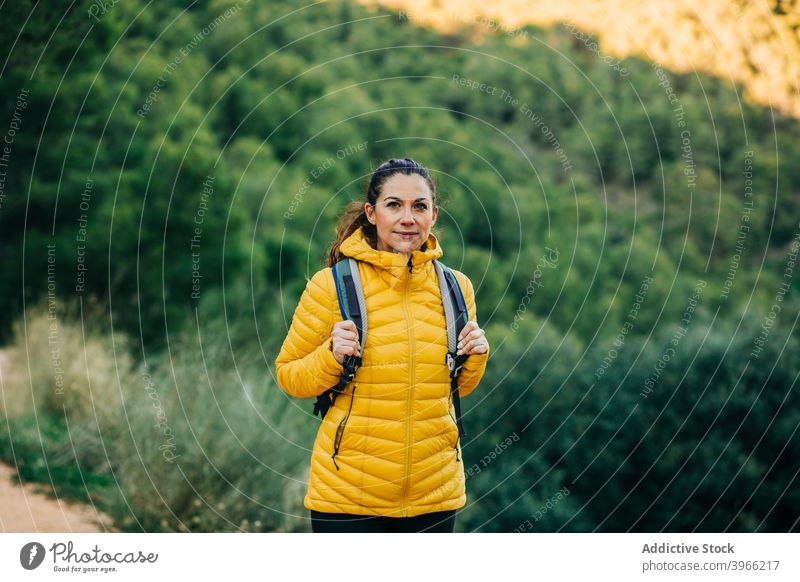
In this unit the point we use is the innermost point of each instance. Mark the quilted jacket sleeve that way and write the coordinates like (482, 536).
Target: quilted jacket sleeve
(475, 365)
(305, 366)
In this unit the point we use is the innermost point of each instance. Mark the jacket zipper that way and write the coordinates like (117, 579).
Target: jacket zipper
(337, 441)
(409, 404)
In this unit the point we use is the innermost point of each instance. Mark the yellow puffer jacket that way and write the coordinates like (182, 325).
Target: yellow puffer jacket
(399, 455)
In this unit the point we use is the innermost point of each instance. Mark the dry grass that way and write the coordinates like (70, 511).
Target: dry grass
(196, 444)
(14, 399)
(53, 367)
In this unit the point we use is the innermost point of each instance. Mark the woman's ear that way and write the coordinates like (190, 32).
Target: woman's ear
(435, 214)
(369, 211)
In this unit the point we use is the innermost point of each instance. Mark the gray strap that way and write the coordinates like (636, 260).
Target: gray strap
(449, 308)
(360, 296)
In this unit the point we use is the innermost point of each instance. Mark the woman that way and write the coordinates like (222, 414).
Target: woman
(398, 465)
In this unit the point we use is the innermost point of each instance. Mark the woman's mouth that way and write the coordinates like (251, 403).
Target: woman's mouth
(406, 235)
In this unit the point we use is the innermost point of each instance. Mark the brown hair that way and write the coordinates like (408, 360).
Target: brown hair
(353, 217)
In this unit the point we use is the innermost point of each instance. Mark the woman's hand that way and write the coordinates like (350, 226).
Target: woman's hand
(472, 340)
(345, 340)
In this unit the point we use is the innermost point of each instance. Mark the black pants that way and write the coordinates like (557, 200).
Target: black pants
(438, 522)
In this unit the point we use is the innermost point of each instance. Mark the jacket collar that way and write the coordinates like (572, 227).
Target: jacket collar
(358, 247)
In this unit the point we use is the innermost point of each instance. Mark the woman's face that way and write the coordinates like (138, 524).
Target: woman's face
(403, 213)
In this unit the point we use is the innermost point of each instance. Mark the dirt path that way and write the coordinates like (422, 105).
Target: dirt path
(25, 509)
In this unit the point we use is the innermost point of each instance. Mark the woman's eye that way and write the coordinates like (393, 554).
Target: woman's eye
(395, 204)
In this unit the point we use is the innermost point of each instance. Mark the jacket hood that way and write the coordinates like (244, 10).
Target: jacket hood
(358, 247)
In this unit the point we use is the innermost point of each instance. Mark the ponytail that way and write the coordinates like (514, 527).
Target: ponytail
(353, 218)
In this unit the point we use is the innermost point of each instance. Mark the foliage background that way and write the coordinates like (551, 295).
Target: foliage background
(161, 408)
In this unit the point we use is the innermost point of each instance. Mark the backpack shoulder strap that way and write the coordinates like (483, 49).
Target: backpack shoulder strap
(456, 315)
(352, 306)
(455, 308)
(351, 295)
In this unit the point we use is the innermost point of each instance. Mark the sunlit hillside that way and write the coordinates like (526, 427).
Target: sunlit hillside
(755, 43)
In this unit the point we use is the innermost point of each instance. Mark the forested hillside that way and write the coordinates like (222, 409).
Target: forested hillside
(631, 229)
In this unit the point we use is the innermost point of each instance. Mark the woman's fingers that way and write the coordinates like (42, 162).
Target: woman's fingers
(345, 329)
(344, 332)
(468, 328)
(475, 334)
(472, 340)
(347, 325)
(477, 346)
(339, 351)
(345, 340)
(471, 336)
(345, 345)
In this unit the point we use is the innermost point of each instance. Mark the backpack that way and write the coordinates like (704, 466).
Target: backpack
(352, 306)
